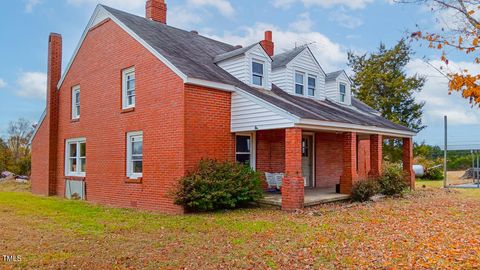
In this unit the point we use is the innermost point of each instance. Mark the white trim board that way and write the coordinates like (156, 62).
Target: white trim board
(343, 127)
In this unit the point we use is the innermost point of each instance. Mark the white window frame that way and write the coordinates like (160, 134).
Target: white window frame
(253, 147)
(75, 103)
(125, 73)
(340, 93)
(78, 171)
(308, 86)
(295, 83)
(257, 74)
(130, 136)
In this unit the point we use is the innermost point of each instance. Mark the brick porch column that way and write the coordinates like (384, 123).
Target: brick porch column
(408, 162)
(376, 144)
(293, 185)
(349, 175)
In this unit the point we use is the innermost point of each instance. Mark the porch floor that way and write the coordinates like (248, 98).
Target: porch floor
(313, 196)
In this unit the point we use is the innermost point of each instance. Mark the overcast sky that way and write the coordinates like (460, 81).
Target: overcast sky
(333, 27)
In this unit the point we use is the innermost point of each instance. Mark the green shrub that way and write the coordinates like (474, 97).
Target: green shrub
(218, 185)
(392, 181)
(430, 169)
(363, 190)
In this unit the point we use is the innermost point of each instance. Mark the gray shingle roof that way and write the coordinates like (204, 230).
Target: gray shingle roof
(281, 60)
(233, 53)
(195, 55)
(333, 75)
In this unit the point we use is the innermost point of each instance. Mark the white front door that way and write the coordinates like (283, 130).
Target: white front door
(307, 159)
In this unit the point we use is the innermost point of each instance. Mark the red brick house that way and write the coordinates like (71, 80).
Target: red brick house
(141, 102)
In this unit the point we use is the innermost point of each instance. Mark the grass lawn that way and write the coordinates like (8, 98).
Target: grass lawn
(430, 228)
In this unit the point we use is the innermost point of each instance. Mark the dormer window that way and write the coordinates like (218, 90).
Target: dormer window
(312, 82)
(299, 84)
(257, 73)
(343, 92)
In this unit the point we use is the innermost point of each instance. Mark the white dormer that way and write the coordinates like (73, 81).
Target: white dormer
(298, 73)
(251, 65)
(339, 87)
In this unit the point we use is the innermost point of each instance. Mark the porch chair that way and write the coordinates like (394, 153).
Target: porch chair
(271, 182)
(279, 179)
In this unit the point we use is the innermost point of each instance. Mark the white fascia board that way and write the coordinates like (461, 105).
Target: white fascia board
(99, 9)
(261, 102)
(343, 127)
(210, 84)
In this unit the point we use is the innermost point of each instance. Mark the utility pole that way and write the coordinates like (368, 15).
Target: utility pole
(445, 155)
(478, 170)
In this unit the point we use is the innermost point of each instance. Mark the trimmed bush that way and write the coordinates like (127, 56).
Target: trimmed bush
(392, 182)
(218, 185)
(363, 190)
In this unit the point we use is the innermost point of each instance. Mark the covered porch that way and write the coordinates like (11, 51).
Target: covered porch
(318, 166)
(312, 197)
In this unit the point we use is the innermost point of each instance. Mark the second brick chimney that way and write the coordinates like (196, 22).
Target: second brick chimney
(54, 73)
(267, 43)
(156, 10)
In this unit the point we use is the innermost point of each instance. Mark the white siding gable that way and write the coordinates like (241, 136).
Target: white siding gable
(249, 114)
(241, 66)
(333, 89)
(305, 63)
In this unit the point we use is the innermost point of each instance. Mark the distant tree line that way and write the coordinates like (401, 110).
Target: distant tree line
(15, 152)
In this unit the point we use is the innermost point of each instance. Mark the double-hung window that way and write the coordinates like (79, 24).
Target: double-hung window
(257, 73)
(245, 149)
(75, 157)
(299, 83)
(76, 102)
(343, 92)
(135, 154)
(128, 88)
(312, 82)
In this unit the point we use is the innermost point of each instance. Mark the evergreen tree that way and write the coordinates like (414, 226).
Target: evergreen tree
(381, 82)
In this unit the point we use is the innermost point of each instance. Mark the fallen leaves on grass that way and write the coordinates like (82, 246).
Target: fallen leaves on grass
(430, 229)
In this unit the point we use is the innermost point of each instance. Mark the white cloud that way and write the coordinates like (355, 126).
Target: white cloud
(282, 3)
(184, 17)
(351, 4)
(304, 24)
(3, 83)
(435, 94)
(32, 85)
(223, 6)
(30, 4)
(128, 5)
(342, 17)
(330, 55)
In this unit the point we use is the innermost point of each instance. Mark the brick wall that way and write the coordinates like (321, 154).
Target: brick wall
(329, 159)
(271, 150)
(207, 125)
(40, 175)
(158, 113)
(363, 158)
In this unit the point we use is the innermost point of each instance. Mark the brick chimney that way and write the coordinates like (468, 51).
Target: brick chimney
(54, 72)
(267, 43)
(156, 10)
